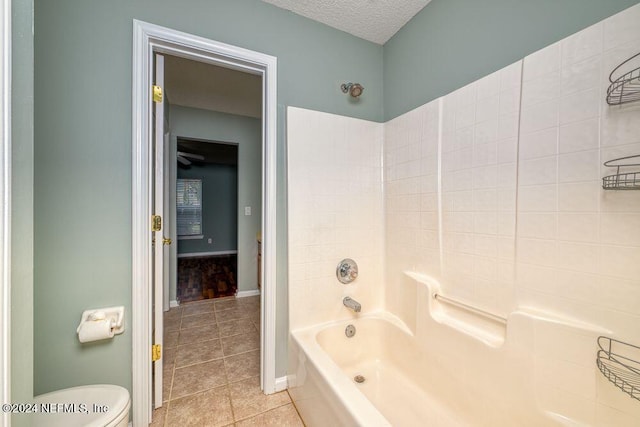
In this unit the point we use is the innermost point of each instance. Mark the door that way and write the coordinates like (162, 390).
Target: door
(158, 233)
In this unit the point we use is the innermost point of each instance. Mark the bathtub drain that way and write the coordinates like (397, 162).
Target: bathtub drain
(350, 331)
(358, 379)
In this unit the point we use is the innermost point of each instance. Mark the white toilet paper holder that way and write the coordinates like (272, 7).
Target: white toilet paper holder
(114, 314)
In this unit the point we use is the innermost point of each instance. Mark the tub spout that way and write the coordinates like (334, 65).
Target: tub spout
(352, 304)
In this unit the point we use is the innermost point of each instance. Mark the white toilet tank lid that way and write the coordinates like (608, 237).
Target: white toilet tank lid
(87, 406)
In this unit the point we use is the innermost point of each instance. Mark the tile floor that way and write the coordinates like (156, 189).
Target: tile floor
(212, 368)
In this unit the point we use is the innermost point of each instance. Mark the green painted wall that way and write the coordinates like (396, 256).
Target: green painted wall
(219, 208)
(22, 206)
(83, 152)
(453, 42)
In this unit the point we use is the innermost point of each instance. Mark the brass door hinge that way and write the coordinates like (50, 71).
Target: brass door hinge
(156, 352)
(156, 223)
(157, 93)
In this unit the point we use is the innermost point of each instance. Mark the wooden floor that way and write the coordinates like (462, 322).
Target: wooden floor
(206, 277)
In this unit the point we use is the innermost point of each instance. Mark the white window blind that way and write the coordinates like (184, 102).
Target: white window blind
(189, 204)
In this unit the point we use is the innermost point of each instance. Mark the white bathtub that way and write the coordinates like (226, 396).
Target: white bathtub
(430, 373)
(404, 385)
(393, 392)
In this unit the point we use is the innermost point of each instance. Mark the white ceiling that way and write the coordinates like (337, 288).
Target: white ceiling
(373, 20)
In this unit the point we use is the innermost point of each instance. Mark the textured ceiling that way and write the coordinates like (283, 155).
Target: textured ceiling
(373, 20)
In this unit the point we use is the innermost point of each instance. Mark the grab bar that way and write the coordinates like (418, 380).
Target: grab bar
(467, 307)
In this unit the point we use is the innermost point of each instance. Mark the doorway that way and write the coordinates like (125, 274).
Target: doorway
(207, 219)
(148, 40)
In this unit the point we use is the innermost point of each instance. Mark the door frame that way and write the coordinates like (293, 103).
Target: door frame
(5, 208)
(159, 249)
(147, 39)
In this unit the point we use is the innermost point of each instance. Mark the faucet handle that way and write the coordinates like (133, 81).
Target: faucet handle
(347, 271)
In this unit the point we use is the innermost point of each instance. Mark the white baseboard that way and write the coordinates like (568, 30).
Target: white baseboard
(174, 303)
(203, 254)
(243, 294)
(281, 383)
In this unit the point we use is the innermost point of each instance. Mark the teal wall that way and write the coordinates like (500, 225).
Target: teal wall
(22, 206)
(453, 42)
(219, 208)
(83, 150)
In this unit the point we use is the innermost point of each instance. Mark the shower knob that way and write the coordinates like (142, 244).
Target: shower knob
(347, 271)
(353, 89)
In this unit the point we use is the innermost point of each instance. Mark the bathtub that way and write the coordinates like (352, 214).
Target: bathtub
(433, 372)
(392, 393)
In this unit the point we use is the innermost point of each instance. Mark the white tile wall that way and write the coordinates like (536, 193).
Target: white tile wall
(576, 250)
(494, 191)
(335, 212)
(587, 267)
(412, 239)
(478, 166)
(596, 232)
(621, 29)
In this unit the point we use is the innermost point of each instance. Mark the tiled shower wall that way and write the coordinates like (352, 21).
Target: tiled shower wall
(494, 191)
(452, 217)
(334, 212)
(510, 211)
(412, 222)
(578, 246)
(479, 174)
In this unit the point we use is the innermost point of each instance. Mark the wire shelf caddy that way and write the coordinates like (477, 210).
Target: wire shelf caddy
(623, 179)
(626, 87)
(619, 362)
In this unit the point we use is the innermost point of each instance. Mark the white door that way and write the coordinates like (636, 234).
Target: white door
(158, 236)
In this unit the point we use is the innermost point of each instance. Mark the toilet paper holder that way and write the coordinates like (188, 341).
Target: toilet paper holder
(115, 315)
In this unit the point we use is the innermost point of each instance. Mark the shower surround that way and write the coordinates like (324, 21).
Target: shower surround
(335, 212)
(491, 194)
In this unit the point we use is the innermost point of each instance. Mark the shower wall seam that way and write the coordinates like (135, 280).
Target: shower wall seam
(440, 226)
(514, 292)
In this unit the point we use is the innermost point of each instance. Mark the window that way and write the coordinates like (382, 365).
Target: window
(189, 204)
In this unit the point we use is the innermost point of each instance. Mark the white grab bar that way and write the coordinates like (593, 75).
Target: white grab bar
(470, 308)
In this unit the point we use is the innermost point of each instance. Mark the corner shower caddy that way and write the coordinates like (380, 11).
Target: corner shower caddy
(622, 90)
(619, 362)
(625, 88)
(622, 180)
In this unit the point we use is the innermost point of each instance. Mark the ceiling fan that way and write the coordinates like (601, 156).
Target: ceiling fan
(183, 157)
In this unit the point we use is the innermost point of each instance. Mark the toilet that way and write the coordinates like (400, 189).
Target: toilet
(98, 405)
